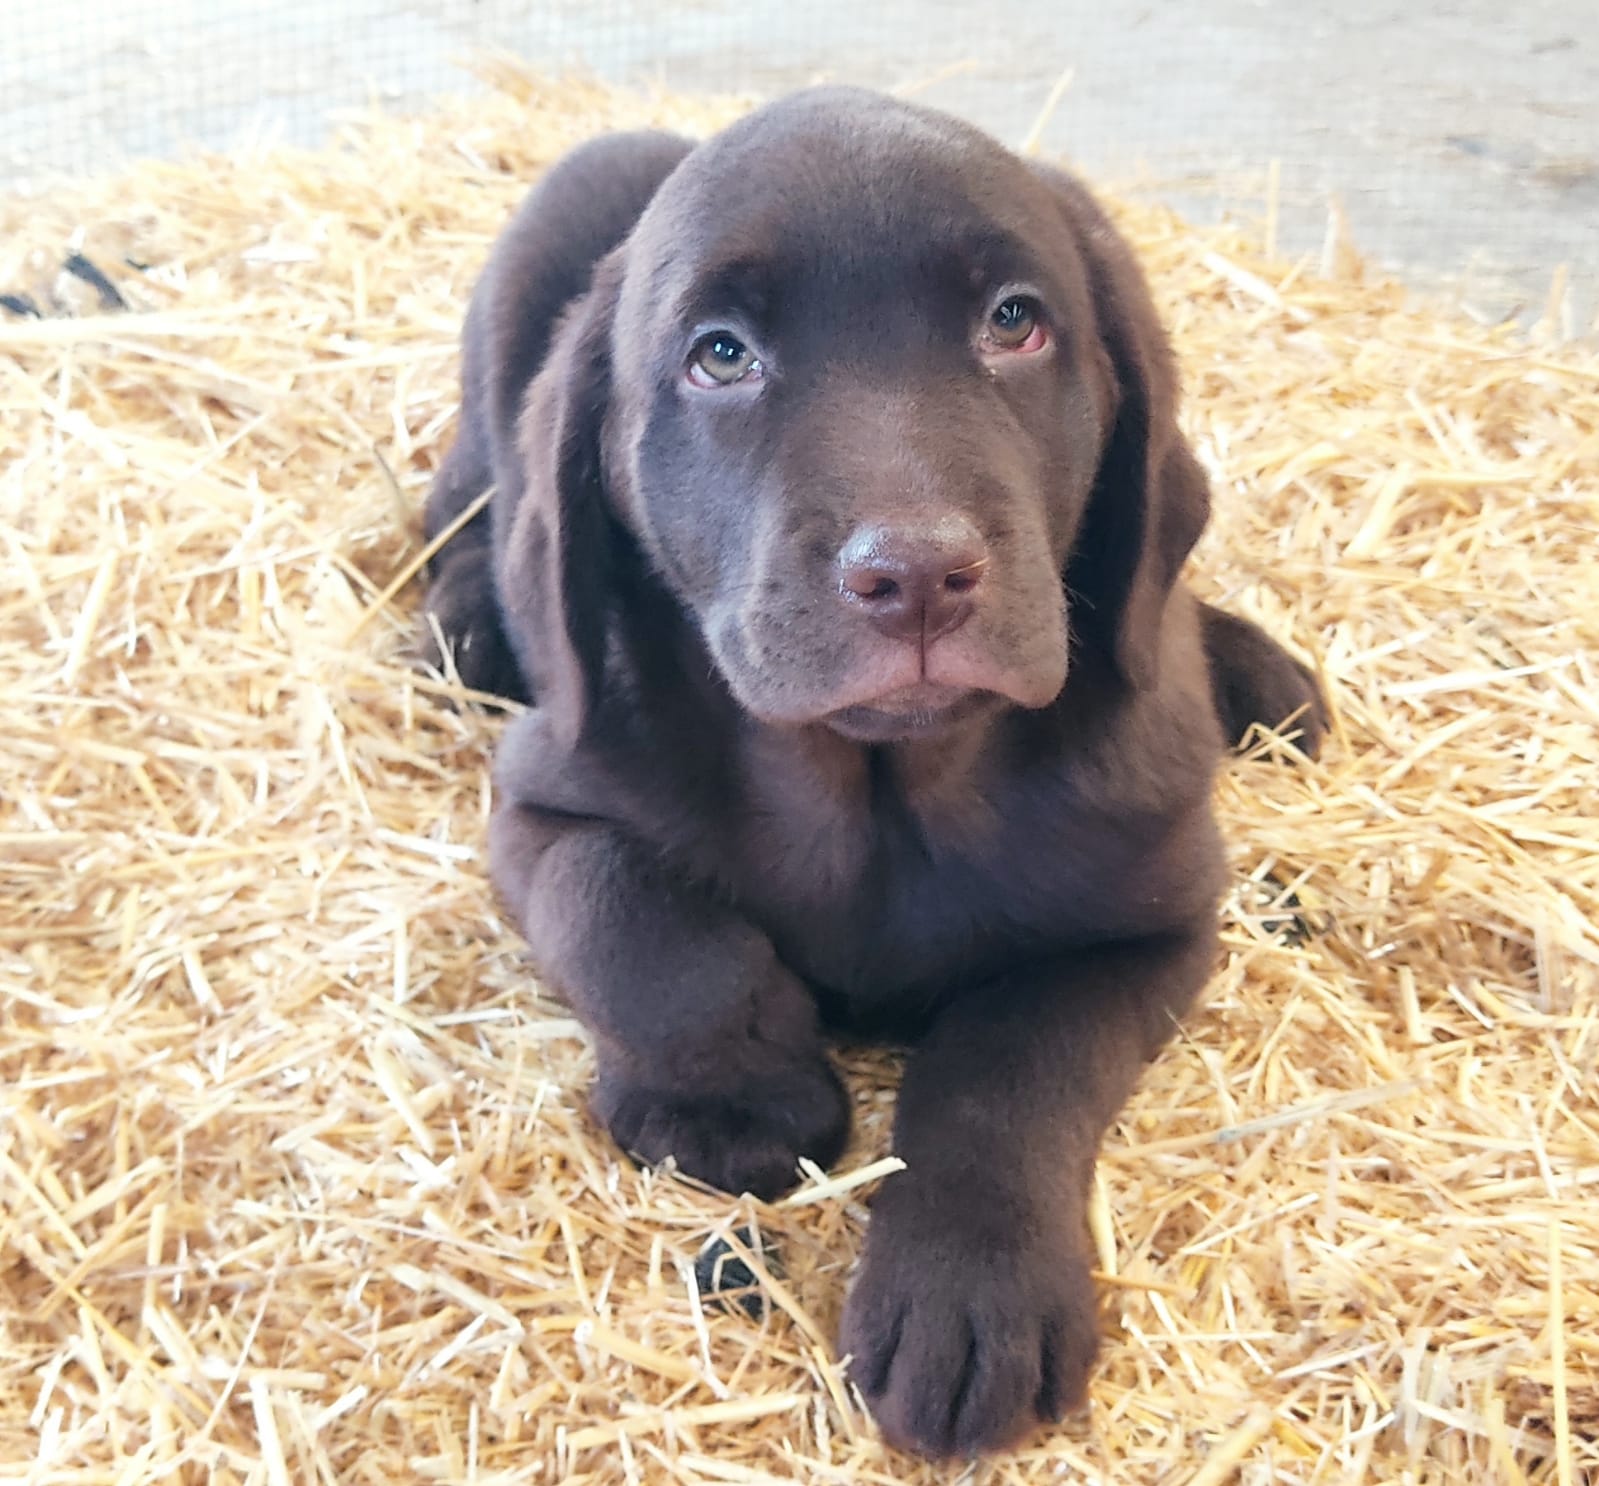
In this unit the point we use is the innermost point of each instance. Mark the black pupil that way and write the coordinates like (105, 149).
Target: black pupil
(726, 350)
(1012, 315)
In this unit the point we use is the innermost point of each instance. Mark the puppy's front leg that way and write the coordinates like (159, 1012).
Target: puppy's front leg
(973, 1315)
(709, 1048)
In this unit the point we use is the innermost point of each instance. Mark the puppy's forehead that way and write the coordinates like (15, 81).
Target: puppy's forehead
(844, 183)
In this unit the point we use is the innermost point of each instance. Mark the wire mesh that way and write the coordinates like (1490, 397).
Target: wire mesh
(1461, 138)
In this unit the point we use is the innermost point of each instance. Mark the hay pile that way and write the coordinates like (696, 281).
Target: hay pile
(294, 1180)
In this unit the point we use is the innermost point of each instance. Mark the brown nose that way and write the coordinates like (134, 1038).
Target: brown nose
(913, 582)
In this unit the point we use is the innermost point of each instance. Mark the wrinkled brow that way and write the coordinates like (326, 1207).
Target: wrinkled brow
(991, 257)
(923, 252)
(743, 286)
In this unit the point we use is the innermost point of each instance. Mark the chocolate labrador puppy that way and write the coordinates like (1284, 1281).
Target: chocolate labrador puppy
(838, 512)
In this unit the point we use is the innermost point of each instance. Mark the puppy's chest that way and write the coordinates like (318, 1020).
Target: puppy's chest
(872, 899)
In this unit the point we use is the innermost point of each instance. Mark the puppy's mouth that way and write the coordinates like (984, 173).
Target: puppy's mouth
(920, 711)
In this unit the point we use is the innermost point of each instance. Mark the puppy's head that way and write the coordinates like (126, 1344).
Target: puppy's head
(886, 410)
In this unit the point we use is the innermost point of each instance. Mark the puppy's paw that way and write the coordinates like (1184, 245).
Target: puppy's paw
(1256, 682)
(748, 1139)
(963, 1339)
(461, 609)
(1272, 692)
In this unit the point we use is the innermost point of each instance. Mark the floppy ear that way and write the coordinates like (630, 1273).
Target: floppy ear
(1150, 500)
(554, 570)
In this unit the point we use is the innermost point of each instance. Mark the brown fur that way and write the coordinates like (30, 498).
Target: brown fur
(733, 821)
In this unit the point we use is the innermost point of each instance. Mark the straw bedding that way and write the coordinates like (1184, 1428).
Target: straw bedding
(295, 1181)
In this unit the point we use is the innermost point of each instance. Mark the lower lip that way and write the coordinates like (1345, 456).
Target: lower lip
(914, 713)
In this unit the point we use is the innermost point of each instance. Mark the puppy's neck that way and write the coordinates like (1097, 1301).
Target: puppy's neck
(919, 777)
(927, 769)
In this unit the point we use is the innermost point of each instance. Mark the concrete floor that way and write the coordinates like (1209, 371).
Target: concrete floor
(1462, 136)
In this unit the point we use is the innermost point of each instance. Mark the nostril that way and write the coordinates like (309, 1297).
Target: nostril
(965, 578)
(869, 584)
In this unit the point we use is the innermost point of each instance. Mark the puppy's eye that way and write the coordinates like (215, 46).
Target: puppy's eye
(721, 359)
(1014, 326)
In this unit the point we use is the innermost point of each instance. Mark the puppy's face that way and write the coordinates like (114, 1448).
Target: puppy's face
(857, 407)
